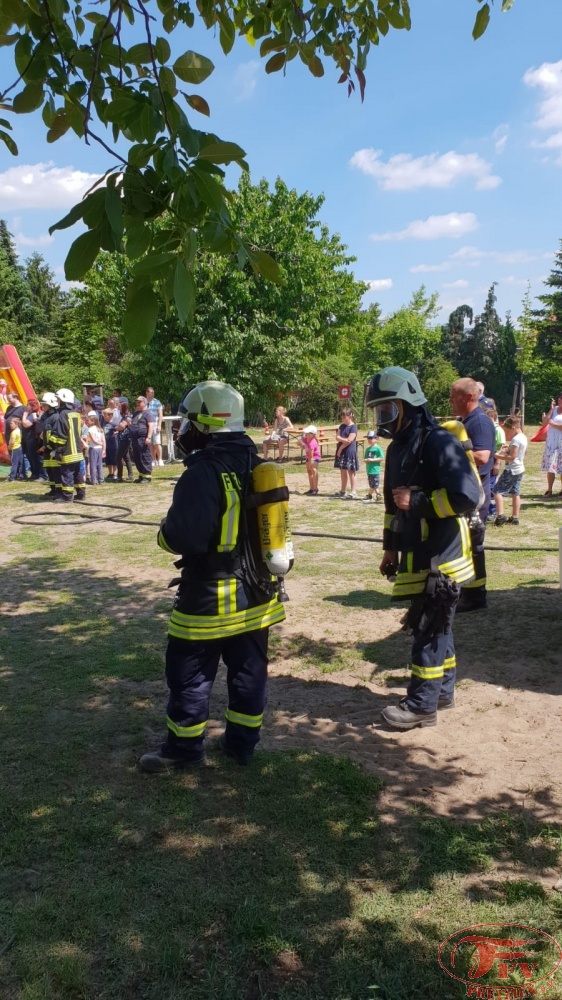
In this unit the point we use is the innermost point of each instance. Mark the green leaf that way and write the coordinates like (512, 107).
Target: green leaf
(265, 265)
(140, 53)
(481, 22)
(507, 5)
(141, 315)
(394, 17)
(162, 50)
(193, 68)
(82, 255)
(168, 81)
(184, 293)
(138, 241)
(382, 23)
(315, 66)
(209, 190)
(198, 103)
(22, 53)
(276, 63)
(221, 152)
(28, 99)
(154, 265)
(227, 31)
(9, 143)
(114, 211)
(60, 124)
(73, 216)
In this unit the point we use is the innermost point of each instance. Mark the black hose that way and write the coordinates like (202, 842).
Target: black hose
(76, 511)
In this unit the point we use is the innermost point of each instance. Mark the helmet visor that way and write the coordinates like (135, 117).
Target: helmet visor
(386, 412)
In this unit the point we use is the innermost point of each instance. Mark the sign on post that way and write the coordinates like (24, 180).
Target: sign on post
(344, 392)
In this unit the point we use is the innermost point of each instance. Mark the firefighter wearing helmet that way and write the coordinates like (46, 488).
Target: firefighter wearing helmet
(46, 424)
(62, 438)
(219, 610)
(429, 487)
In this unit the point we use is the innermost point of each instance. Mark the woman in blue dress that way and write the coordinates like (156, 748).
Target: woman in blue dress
(346, 459)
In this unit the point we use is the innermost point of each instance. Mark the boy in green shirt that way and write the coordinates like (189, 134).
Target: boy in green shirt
(373, 456)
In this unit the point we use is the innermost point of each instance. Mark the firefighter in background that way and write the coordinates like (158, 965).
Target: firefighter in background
(44, 425)
(429, 485)
(63, 440)
(219, 611)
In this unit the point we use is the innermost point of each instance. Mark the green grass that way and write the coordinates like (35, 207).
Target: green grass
(275, 882)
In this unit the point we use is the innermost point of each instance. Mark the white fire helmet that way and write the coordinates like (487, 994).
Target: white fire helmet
(213, 408)
(66, 396)
(49, 399)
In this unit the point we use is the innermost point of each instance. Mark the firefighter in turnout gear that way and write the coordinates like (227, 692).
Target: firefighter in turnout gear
(63, 441)
(45, 424)
(220, 610)
(429, 485)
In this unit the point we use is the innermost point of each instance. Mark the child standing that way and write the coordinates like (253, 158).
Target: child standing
(346, 454)
(96, 447)
(16, 450)
(373, 455)
(313, 456)
(509, 483)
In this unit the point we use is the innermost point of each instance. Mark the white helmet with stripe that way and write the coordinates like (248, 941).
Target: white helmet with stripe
(213, 408)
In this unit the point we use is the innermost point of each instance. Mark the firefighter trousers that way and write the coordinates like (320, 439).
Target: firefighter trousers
(433, 671)
(72, 481)
(191, 668)
(53, 472)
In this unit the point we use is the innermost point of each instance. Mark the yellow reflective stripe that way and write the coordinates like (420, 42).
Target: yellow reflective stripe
(427, 673)
(231, 516)
(465, 537)
(450, 663)
(441, 504)
(407, 589)
(53, 439)
(187, 731)
(460, 570)
(211, 627)
(231, 595)
(67, 489)
(69, 459)
(248, 614)
(413, 577)
(424, 529)
(253, 721)
(163, 543)
(388, 518)
(410, 562)
(226, 603)
(481, 582)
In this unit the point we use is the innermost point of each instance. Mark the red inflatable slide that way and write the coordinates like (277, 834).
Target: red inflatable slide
(13, 378)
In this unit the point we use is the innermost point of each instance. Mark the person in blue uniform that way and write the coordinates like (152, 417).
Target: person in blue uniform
(140, 429)
(465, 394)
(429, 485)
(220, 609)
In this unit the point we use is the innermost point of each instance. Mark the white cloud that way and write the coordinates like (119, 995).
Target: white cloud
(245, 80)
(379, 284)
(461, 283)
(500, 136)
(501, 257)
(435, 227)
(548, 78)
(32, 241)
(404, 172)
(42, 185)
(430, 268)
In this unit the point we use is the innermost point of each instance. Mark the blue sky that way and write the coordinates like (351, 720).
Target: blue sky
(448, 174)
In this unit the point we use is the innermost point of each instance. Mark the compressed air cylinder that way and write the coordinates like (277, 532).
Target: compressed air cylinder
(273, 521)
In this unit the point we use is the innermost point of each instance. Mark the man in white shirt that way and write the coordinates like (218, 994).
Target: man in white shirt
(156, 409)
(509, 483)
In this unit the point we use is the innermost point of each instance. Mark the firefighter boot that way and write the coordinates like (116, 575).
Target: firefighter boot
(401, 717)
(241, 757)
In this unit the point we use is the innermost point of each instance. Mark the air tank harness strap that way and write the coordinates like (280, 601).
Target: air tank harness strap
(269, 496)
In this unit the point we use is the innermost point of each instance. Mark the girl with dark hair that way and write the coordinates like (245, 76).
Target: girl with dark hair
(346, 459)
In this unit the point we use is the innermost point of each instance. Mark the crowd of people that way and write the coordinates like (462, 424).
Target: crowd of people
(71, 443)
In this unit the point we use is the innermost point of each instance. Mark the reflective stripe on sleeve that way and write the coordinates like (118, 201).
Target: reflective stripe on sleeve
(163, 543)
(441, 504)
(450, 663)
